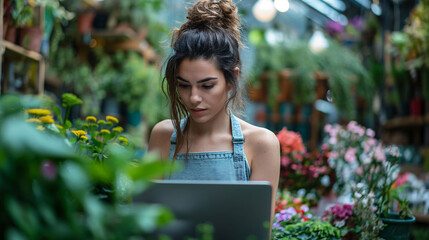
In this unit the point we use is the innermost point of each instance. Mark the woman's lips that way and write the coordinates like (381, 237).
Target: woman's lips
(197, 110)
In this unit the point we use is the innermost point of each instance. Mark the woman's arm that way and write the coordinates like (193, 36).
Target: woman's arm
(265, 150)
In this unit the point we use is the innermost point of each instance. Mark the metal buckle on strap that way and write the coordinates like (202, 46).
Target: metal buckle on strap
(238, 140)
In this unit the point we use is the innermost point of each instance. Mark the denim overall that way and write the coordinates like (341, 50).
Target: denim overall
(218, 165)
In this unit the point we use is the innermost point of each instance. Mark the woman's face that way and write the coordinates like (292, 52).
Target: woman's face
(203, 89)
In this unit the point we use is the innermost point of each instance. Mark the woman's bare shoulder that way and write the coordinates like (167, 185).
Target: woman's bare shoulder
(164, 127)
(258, 136)
(160, 135)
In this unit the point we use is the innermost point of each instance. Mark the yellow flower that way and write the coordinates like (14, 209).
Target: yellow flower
(91, 119)
(112, 119)
(40, 128)
(39, 112)
(117, 129)
(84, 137)
(31, 2)
(79, 133)
(59, 127)
(105, 131)
(101, 122)
(34, 120)
(47, 119)
(123, 139)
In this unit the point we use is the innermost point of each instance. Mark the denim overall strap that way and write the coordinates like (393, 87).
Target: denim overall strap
(174, 137)
(240, 162)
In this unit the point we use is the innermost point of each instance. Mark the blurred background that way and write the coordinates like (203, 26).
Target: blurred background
(306, 64)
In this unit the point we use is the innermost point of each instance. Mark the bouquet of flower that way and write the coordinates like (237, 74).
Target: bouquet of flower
(290, 210)
(357, 220)
(294, 220)
(360, 158)
(301, 169)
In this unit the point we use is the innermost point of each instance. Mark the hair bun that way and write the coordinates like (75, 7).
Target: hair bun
(214, 14)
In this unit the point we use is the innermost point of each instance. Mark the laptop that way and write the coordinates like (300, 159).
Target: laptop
(235, 210)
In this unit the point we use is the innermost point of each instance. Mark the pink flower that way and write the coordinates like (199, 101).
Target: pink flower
(370, 132)
(285, 160)
(297, 201)
(379, 153)
(401, 180)
(352, 125)
(359, 171)
(350, 155)
(327, 127)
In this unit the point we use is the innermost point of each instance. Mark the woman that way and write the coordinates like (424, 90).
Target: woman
(201, 78)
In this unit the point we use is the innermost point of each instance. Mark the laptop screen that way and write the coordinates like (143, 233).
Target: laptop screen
(236, 210)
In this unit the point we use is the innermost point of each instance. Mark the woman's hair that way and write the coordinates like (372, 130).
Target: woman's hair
(212, 32)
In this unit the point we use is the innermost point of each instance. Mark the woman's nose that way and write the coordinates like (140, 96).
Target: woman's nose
(195, 96)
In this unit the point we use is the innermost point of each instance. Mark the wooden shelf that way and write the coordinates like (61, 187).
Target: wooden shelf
(124, 34)
(22, 51)
(406, 122)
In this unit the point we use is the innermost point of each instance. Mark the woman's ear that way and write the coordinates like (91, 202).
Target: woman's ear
(237, 73)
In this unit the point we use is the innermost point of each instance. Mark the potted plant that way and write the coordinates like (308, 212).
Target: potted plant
(21, 13)
(294, 220)
(345, 72)
(359, 158)
(47, 179)
(140, 87)
(300, 171)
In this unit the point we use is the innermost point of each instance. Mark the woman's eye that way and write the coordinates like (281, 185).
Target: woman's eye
(208, 86)
(183, 85)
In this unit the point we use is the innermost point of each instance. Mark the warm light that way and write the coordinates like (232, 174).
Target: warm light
(318, 42)
(264, 10)
(281, 5)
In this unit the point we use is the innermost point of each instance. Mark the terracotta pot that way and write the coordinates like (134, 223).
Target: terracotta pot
(84, 21)
(286, 87)
(5, 25)
(260, 94)
(11, 34)
(31, 38)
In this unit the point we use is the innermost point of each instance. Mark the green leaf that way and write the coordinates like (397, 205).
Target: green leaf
(70, 100)
(74, 176)
(21, 138)
(13, 234)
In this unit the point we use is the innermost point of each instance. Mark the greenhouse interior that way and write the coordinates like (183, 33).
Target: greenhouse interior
(214, 119)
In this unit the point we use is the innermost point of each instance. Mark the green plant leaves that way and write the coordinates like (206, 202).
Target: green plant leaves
(21, 139)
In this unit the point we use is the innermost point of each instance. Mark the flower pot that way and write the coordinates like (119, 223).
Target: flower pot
(11, 34)
(396, 229)
(5, 25)
(259, 94)
(31, 38)
(286, 87)
(85, 20)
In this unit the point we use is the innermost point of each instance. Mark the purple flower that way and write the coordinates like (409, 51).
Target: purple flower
(334, 28)
(290, 211)
(305, 208)
(48, 170)
(357, 22)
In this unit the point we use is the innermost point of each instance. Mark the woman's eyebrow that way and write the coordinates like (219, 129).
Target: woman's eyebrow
(199, 81)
